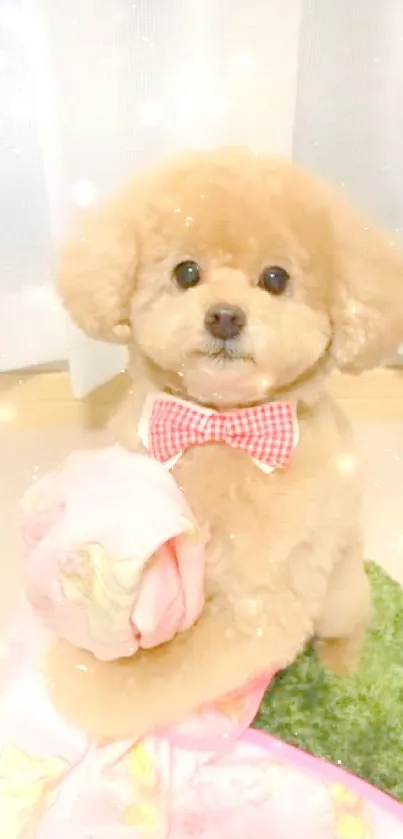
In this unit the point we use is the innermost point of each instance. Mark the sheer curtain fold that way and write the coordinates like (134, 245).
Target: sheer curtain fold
(92, 90)
(349, 112)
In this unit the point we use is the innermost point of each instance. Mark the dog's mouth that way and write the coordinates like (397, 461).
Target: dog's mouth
(227, 374)
(225, 352)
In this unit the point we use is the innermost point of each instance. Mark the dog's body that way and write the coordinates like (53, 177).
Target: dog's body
(284, 559)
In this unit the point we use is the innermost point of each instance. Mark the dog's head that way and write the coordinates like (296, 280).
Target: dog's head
(237, 277)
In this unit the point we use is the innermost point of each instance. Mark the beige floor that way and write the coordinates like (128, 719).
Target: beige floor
(28, 449)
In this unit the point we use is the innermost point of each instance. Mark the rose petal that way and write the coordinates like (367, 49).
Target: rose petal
(159, 609)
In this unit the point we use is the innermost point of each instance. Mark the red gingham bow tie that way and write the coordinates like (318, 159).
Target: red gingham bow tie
(267, 432)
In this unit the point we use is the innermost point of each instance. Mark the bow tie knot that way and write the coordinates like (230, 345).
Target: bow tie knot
(268, 432)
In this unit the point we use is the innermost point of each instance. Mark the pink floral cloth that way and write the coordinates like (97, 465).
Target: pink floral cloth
(203, 779)
(210, 777)
(115, 558)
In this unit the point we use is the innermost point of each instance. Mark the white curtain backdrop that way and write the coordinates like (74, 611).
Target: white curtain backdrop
(91, 90)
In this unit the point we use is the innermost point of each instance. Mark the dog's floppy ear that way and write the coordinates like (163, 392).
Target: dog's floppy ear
(366, 293)
(97, 269)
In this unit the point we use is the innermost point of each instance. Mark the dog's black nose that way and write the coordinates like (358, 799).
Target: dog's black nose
(225, 322)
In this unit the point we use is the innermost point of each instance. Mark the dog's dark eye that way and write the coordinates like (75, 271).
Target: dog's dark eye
(274, 279)
(187, 274)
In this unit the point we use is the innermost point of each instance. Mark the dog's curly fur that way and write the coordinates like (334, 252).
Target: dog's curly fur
(285, 556)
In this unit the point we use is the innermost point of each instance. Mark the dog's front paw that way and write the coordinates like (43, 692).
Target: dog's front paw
(339, 655)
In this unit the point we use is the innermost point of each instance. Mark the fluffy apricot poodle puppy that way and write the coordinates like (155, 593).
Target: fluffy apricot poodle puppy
(239, 282)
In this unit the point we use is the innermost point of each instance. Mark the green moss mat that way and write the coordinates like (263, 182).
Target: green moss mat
(357, 723)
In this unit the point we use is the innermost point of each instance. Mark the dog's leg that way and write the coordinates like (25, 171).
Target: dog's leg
(345, 618)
